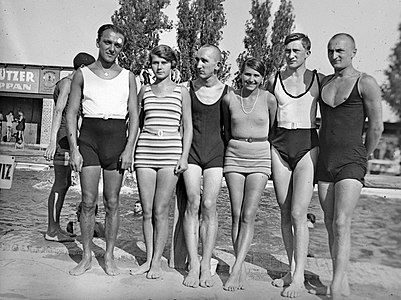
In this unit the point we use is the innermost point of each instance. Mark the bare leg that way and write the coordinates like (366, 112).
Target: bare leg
(209, 224)
(166, 181)
(146, 178)
(62, 181)
(301, 197)
(254, 186)
(192, 177)
(89, 186)
(282, 180)
(338, 203)
(112, 180)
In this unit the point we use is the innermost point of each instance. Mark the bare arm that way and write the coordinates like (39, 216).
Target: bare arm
(74, 101)
(227, 116)
(270, 83)
(371, 94)
(272, 104)
(126, 155)
(182, 164)
(141, 111)
(62, 98)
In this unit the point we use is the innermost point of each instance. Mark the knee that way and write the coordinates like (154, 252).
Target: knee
(88, 208)
(208, 207)
(298, 216)
(111, 205)
(61, 185)
(193, 205)
(160, 213)
(247, 217)
(341, 225)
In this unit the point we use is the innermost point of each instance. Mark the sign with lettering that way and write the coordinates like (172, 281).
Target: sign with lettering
(19, 80)
(48, 80)
(7, 165)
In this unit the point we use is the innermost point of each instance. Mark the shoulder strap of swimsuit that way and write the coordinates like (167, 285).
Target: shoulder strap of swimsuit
(275, 80)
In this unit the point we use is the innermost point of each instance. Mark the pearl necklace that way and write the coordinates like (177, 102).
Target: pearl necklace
(254, 104)
(104, 70)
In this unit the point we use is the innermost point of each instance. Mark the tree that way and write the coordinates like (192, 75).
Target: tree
(263, 42)
(392, 87)
(143, 21)
(283, 25)
(199, 22)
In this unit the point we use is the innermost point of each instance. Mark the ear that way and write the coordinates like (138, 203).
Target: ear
(218, 66)
(97, 43)
(354, 53)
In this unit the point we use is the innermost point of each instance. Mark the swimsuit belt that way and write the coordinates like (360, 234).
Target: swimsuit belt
(105, 116)
(160, 132)
(252, 140)
(295, 125)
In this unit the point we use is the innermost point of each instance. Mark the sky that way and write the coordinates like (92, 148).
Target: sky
(51, 32)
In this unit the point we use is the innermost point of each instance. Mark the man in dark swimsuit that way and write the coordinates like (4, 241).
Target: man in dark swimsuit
(205, 160)
(347, 97)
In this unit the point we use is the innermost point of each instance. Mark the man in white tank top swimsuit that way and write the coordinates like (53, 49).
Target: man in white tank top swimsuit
(108, 93)
(294, 145)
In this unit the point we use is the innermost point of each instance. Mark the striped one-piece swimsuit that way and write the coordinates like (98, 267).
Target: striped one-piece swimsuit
(160, 143)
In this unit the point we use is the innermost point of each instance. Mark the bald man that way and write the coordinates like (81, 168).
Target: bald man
(206, 159)
(347, 97)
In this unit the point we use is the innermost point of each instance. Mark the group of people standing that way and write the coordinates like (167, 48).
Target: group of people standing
(204, 130)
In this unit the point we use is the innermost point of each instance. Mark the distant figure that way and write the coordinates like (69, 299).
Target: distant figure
(20, 127)
(98, 231)
(58, 151)
(311, 220)
(9, 125)
(138, 208)
(347, 97)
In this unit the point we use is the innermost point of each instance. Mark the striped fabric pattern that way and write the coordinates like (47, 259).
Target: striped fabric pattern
(161, 113)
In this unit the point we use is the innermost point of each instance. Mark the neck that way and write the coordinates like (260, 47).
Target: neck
(246, 93)
(163, 82)
(207, 82)
(347, 71)
(296, 72)
(104, 64)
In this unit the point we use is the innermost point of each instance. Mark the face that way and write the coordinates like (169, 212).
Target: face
(340, 52)
(206, 63)
(160, 67)
(295, 54)
(251, 79)
(110, 45)
(137, 207)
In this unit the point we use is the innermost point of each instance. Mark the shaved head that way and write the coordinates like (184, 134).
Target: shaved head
(346, 37)
(214, 51)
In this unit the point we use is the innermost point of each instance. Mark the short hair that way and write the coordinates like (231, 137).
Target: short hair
(82, 58)
(347, 35)
(254, 63)
(297, 36)
(166, 53)
(215, 50)
(113, 27)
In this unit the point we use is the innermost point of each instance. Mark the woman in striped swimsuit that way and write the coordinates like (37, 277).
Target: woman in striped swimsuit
(161, 154)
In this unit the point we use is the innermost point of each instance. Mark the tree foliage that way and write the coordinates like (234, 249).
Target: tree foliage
(143, 21)
(392, 87)
(199, 22)
(265, 42)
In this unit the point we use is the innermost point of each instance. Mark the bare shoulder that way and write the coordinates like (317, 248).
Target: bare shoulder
(231, 93)
(367, 79)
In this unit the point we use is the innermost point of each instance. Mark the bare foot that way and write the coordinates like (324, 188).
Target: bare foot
(242, 278)
(142, 269)
(233, 282)
(283, 281)
(111, 267)
(155, 271)
(206, 279)
(58, 237)
(82, 267)
(327, 290)
(293, 290)
(192, 279)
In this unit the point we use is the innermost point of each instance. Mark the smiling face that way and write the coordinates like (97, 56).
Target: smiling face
(251, 79)
(160, 67)
(340, 51)
(295, 54)
(110, 45)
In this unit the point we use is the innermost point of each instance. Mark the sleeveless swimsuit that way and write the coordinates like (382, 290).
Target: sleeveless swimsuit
(160, 143)
(102, 136)
(207, 149)
(295, 134)
(342, 152)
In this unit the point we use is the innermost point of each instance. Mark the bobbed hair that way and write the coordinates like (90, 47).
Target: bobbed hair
(254, 63)
(166, 53)
(297, 36)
